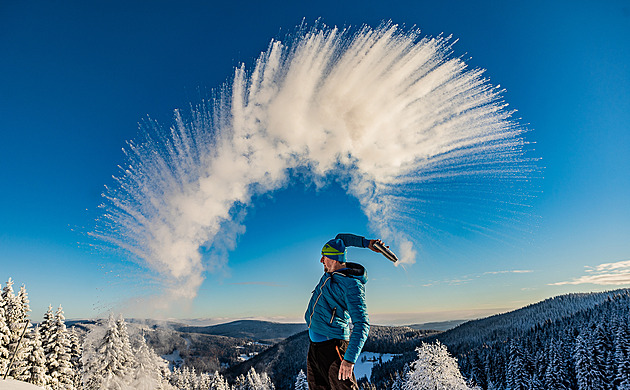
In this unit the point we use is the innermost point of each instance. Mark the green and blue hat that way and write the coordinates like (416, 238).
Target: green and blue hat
(335, 249)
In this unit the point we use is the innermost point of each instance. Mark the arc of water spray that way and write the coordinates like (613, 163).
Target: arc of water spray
(386, 109)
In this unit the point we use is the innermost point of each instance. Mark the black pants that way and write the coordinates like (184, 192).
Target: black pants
(323, 363)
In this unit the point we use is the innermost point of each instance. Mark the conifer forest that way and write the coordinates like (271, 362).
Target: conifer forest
(569, 342)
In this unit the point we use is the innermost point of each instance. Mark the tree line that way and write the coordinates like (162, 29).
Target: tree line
(587, 350)
(109, 357)
(47, 355)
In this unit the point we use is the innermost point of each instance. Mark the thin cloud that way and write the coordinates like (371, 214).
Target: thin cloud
(469, 278)
(268, 284)
(515, 271)
(623, 266)
(606, 274)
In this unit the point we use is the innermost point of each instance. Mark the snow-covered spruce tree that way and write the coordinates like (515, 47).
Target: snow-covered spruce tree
(240, 383)
(516, 375)
(102, 359)
(257, 381)
(253, 381)
(35, 364)
(397, 382)
(57, 352)
(147, 366)
(25, 323)
(477, 375)
(16, 309)
(46, 326)
(602, 349)
(110, 363)
(218, 382)
(126, 356)
(76, 350)
(300, 381)
(622, 356)
(184, 378)
(5, 339)
(555, 374)
(204, 382)
(435, 369)
(588, 377)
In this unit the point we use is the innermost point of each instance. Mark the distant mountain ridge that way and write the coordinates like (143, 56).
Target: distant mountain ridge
(439, 325)
(261, 331)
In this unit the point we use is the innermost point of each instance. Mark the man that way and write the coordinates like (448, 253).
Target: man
(338, 298)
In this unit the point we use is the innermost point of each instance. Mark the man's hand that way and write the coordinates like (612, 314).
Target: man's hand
(345, 370)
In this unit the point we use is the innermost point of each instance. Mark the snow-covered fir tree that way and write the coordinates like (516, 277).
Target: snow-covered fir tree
(204, 381)
(112, 359)
(46, 328)
(57, 352)
(555, 374)
(583, 363)
(516, 374)
(76, 350)
(16, 310)
(301, 382)
(35, 363)
(622, 354)
(602, 352)
(147, 366)
(102, 361)
(23, 328)
(477, 374)
(5, 339)
(253, 381)
(397, 383)
(126, 354)
(435, 369)
(218, 382)
(184, 378)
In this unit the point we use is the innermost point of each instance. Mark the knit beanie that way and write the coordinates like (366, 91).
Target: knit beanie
(335, 249)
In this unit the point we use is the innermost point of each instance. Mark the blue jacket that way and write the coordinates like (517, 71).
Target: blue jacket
(338, 298)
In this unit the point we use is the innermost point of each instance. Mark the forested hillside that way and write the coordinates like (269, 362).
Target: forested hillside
(575, 341)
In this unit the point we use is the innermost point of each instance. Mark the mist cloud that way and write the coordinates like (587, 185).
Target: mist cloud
(387, 111)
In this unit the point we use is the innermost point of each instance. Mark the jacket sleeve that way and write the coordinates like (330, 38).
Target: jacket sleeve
(355, 301)
(353, 240)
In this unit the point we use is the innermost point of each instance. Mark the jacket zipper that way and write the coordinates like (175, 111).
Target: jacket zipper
(321, 291)
(333, 315)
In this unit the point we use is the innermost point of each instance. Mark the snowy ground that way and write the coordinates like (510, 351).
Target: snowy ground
(174, 359)
(363, 366)
(11, 384)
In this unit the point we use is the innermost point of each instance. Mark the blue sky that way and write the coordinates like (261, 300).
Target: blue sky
(77, 77)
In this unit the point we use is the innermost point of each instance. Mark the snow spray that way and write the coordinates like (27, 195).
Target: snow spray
(406, 128)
